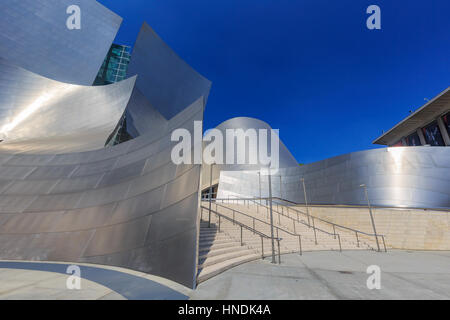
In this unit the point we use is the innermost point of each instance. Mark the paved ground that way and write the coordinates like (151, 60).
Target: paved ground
(35, 280)
(334, 275)
(315, 275)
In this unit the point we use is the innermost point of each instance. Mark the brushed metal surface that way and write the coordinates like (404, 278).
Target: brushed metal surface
(168, 83)
(286, 159)
(53, 207)
(397, 177)
(40, 115)
(34, 36)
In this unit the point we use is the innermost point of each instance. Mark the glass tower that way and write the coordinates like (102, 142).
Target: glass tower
(115, 65)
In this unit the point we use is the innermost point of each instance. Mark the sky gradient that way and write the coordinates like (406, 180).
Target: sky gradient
(310, 68)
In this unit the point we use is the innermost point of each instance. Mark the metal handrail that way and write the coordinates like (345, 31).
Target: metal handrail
(300, 221)
(329, 222)
(264, 222)
(262, 235)
(335, 225)
(314, 227)
(282, 214)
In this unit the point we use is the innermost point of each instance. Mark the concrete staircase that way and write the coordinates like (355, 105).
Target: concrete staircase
(226, 244)
(296, 222)
(219, 251)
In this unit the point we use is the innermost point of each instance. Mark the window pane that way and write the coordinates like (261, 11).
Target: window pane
(446, 119)
(413, 140)
(433, 135)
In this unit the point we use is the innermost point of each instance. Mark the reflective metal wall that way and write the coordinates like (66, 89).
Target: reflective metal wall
(64, 196)
(165, 80)
(34, 36)
(286, 159)
(126, 205)
(398, 177)
(41, 115)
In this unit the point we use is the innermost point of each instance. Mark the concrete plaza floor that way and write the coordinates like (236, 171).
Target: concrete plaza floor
(47, 281)
(334, 275)
(315, 275)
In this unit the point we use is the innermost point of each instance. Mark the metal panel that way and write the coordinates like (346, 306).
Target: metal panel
(128, 218)
(167, 82)
(285, 157)
(399, 177)
(66, 197)
(39, 115)
(34, 36)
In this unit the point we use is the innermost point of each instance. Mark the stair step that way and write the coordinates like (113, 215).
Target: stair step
(213, 270)
(215, 246)
(213, 252)
(208, 261)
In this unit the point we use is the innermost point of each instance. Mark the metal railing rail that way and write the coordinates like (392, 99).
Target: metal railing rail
(334, 234)
(244, 226)
(334, 225)
(278, 229)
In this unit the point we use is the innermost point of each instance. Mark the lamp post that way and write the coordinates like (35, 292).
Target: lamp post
(306, 200)
(259, 182)
(371, 215)
(271, 217)
(281, 193)
(210, 193)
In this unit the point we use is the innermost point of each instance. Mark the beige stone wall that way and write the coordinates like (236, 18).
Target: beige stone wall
(412, 229)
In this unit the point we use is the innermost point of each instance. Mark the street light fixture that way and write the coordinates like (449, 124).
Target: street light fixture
(371, 215)
(210, 193)
(306, 200)
(259, 181)
(271, 216)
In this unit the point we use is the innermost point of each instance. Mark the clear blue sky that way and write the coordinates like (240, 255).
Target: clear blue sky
(310, 68)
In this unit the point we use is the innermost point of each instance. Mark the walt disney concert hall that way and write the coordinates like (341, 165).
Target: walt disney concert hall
(86, 173)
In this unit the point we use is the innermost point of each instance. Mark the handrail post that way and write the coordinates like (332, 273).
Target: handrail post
(340, 247)
(293, 222)
(262, 248)
(300, 243)
(254, 229)
(242, 243)
(234, 221)
(314, 228)
(334, 231)
(209, 219)
(384, 244)
(357, 239)
(279, 252)
(219, 223)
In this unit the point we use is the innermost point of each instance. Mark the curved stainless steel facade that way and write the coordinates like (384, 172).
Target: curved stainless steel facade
(286, 159)
(34, 36)
(398, 177)
(166, 81)
(64, 196)
(126, 205)
(41, 115)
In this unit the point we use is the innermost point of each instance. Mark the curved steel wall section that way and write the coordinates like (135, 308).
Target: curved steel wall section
(286, 159)
(34, 36)
(126, 205)
(398, 177)
(168, 82)
(41, 115)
